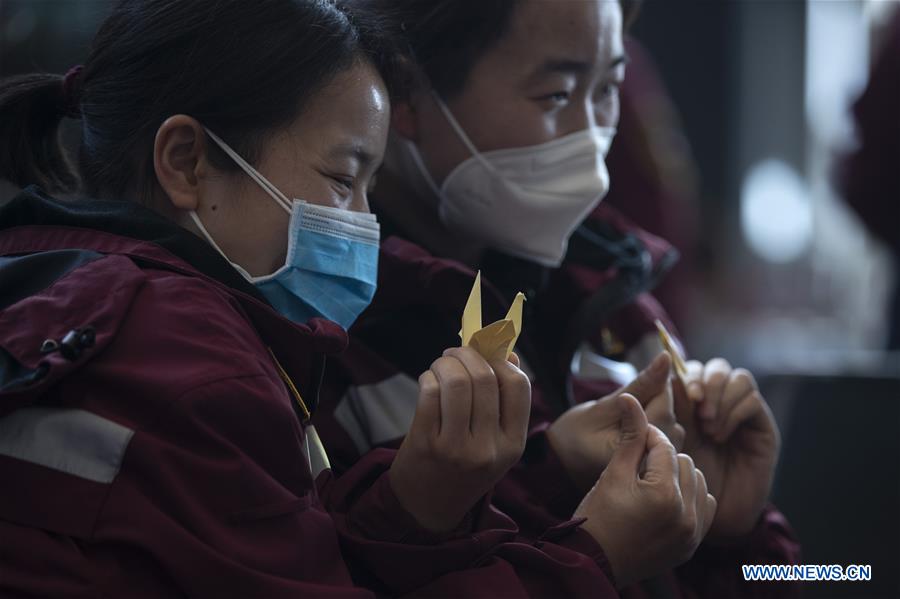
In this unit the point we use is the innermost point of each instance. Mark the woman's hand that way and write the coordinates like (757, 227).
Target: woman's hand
(650, 509)
(470, 427)
(733, 438)
(586, 436)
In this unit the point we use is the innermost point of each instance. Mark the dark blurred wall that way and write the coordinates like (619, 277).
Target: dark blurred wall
(46, 35)
(735, 72)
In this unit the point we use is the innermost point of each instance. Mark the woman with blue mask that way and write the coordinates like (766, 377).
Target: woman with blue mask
(496, 163)
(165, 319)
(331, 261)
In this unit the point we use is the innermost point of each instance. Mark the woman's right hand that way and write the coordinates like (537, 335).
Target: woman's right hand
(650, 509)
(470, 427)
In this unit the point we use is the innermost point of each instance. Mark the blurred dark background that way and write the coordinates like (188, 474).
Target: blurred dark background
(738, 121)
(783, 269)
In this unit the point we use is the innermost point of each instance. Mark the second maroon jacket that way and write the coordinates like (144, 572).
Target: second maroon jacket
(587, 325)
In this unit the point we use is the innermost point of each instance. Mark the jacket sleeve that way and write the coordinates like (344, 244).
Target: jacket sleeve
(485, 556)
(715, 571)
(215, 499)
(537, 493)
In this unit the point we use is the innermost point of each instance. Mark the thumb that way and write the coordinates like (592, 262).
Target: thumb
(633, 435)
(427, 418)
(662, 460)
(651, 381)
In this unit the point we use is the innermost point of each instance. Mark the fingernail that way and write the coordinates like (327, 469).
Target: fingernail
(654, 366)
(695, 391)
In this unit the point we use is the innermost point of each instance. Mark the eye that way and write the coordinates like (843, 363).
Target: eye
(557, 98)
(609, 90)
(346, 183)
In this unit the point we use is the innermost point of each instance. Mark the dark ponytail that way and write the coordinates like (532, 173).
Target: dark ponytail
(241, 67)
(31, 110)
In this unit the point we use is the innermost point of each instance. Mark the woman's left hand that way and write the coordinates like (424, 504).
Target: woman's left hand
(586, 436)
(732, 437)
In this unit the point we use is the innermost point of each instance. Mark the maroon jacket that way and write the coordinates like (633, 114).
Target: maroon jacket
(597, 302)
(150, 447)
(161, 454)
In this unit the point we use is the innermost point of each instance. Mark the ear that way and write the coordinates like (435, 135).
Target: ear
(404, 121)
(180, 160)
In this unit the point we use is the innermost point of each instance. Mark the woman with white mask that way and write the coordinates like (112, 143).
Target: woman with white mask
(496, 163)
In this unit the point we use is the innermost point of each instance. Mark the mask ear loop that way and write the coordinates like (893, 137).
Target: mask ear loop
(213, 243)
(462, 134)
(423, 170)
(253, 173)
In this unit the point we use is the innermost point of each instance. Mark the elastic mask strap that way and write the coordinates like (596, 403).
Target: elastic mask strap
(212, 242)
(252, 173)
(423, 170)
(460, 132)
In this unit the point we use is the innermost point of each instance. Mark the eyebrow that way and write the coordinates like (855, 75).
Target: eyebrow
(354, 151)
(577, 67)
(620, 59)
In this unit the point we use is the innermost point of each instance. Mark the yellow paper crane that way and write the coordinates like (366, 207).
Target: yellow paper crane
(495, 341)
(669, 345)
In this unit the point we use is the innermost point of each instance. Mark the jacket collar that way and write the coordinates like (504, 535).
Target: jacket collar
(33, 207)
(34, 223)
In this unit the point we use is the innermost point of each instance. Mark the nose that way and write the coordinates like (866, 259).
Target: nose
(360, 202)
(606, 111)
(581, 116)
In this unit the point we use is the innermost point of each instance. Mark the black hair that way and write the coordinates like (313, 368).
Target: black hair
(241, 68)
(446, 38)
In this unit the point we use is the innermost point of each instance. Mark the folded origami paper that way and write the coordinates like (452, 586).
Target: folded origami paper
(495, 341)
(672, 349)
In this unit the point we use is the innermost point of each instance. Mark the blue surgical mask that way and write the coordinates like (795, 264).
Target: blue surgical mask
(331, 266)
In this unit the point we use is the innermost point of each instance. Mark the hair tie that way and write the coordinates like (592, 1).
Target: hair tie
(71, 87)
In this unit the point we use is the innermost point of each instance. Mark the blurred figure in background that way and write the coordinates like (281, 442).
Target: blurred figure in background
(869, 177)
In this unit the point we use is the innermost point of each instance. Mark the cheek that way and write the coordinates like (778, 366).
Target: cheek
(277, 247)
(517, 123)
(310, 185)
(222, 194)
(441, 148)
(266, 231)
(512, 123)
(504, 117)
(608, 112)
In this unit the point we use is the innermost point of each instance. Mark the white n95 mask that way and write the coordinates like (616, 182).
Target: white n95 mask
(526, 201)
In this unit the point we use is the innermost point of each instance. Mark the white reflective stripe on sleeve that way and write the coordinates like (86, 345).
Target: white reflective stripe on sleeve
(380, 412)
(649, 346)
(587, 364)
(73, 441)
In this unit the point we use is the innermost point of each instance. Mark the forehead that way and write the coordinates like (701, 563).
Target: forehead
(588, 31)
(354, 104)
